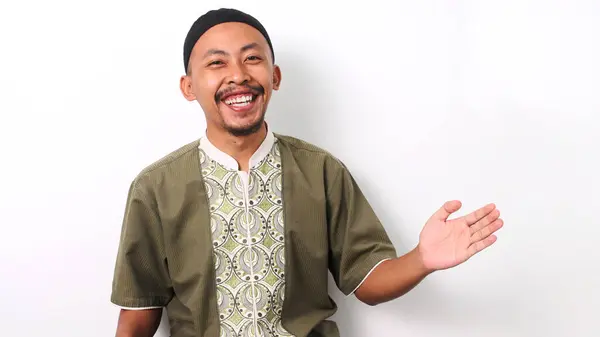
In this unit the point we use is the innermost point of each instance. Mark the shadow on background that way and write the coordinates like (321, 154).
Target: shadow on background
(301, 108)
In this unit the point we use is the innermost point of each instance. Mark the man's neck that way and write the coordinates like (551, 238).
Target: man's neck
(239, 148)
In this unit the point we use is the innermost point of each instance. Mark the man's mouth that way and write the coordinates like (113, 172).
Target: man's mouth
(240, 100)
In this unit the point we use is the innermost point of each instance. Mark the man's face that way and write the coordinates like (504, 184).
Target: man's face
(232, 75)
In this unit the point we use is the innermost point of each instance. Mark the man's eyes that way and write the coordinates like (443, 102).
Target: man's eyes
(252, 58)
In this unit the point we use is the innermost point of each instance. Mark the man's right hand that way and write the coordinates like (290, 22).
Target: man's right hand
(138, 323)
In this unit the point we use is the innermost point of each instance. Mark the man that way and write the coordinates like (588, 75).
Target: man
(235, 233)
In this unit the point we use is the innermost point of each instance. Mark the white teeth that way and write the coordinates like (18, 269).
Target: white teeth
(243, 100)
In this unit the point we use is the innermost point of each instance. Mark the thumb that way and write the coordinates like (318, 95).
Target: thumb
(448, 208)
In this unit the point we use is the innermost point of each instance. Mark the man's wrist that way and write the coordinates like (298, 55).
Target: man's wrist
(419, 262)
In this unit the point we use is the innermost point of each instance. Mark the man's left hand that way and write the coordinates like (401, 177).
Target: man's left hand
(447, 243)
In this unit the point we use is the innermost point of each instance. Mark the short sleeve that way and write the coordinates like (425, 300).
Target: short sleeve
(141, 278)
(358, 242)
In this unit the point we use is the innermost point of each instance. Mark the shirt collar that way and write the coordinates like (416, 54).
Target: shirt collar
(229, 162)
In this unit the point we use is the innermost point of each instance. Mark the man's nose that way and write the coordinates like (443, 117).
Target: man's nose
(238, 74)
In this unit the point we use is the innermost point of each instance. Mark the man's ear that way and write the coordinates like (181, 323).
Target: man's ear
(276, 77)
(185, 84)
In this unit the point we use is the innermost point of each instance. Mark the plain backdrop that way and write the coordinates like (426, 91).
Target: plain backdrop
(425, 101)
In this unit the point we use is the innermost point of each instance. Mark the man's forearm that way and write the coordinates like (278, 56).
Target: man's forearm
(138, 323)
(393, 278)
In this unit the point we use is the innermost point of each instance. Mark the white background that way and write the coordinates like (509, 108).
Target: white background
(425, 101)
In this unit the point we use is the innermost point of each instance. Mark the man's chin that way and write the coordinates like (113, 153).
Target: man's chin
(244, 130)
(245, 125)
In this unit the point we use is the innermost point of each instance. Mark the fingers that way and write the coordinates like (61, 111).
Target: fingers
(481, 245)
(448, 208)
(485, 221)
(477, 215)
(487, 230)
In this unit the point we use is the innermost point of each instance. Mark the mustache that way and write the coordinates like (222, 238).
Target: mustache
(255, 89)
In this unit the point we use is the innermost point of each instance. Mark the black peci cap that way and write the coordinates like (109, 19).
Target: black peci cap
(213, 18)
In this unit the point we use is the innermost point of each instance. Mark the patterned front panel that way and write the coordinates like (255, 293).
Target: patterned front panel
(248, 237)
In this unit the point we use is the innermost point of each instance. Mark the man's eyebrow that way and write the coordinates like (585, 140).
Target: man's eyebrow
(211, 52)
(247, 47)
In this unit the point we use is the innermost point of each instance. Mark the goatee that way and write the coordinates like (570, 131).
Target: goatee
(247, 130)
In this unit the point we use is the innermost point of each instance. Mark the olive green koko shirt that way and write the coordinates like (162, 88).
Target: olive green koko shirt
(230, 253)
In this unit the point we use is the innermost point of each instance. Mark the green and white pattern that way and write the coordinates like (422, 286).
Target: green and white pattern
(248, 240)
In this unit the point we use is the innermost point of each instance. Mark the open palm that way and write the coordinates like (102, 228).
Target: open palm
(446, 243)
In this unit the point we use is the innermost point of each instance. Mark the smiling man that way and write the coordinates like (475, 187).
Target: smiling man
(235, 233)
